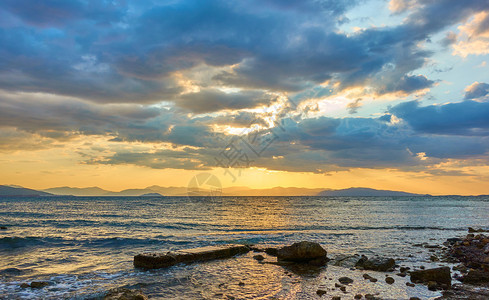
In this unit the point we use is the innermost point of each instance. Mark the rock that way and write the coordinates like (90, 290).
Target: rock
(389, 280)
(376, 263)
(472, 230)
(369, 296)
(401, 274)
(410, 284)
(338, 285)
(476, 277)
(432, 285)
(434, 258)
(346, 261)
(230, 297)
(320, 292)
(241, 283)
(125, 294)
(345, 280)
(259, 257)
(24, 285)
(39, 284)
(343, 288)
(414, 298)
(303, 252)
(262, 248)
(358, 296)
(11, 272)
(438, 275)
(372, 279)
(336, 298)
(163, 260)
(3, 227)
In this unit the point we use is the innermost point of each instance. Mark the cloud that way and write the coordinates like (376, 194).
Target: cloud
(354, 106)
(467, 118)
(473, 37)
(476, 90)
(211, 100)
(408, 84)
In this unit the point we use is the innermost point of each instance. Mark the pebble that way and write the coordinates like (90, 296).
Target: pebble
(336, 298)
(358, 296)
(410, 284)
(414, 298)
(320, 292)
(241, 283)
(345, 280)
(259, 257)
(389, 280)
(343, 288)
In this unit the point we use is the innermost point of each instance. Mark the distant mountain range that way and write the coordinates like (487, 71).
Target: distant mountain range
(365, 192)
(16, 191)
(182, 191)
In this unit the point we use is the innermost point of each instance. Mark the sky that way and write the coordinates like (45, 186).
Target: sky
(260, 93)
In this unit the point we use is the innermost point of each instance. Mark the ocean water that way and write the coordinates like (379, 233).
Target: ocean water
(84, 246)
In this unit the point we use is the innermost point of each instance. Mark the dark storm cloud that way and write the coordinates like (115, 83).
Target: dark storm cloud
(69, 48)
(477, 90)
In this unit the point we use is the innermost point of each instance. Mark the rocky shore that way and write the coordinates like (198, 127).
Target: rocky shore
(459, 269)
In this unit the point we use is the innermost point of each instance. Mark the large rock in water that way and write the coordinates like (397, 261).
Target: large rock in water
(303, 252)
(164, 260)
(438, 275)
(376, 263)
(476, 277)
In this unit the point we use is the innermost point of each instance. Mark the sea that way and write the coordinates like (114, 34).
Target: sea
(84, 246)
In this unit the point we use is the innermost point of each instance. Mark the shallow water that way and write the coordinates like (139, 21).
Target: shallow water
(84, 245)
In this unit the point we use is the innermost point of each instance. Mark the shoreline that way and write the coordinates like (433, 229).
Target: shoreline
(359, 277)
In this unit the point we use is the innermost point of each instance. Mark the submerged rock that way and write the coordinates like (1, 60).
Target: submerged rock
(259, 257)
(376, 263)
(303, 252)
(125, 294)
(39, 284)
(439, 275)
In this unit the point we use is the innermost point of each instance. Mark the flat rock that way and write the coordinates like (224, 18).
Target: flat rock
(439, 275)
(302, 252)
(164, 260)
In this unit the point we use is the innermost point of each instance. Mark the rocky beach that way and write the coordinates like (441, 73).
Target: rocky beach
(462, 271)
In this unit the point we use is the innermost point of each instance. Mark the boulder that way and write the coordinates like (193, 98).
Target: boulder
(439, 275)
(375, 263)
(303, 252)
(125, 294)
